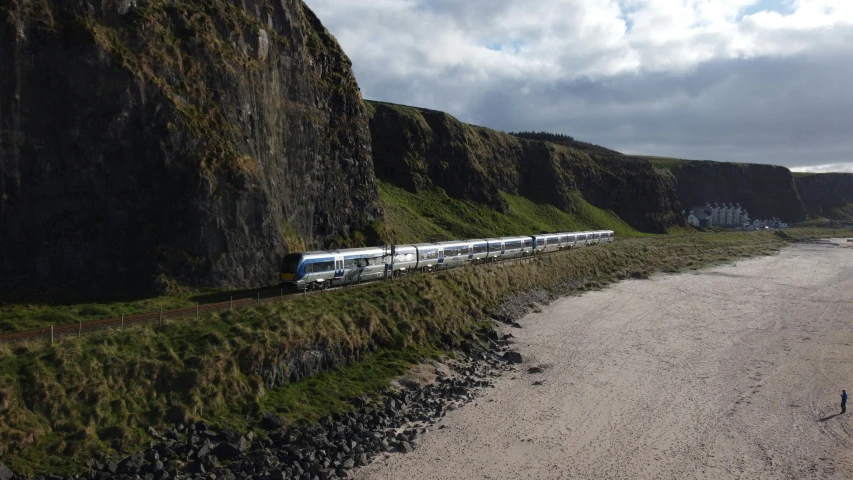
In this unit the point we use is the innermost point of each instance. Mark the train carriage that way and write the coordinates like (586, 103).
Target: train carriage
(547, 242)
(495, 248)
(516, 247)
(427, 256)
(405, 259)
(479, 250)
(453, 254)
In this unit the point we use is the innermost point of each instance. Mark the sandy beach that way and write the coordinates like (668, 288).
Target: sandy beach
(729, 372)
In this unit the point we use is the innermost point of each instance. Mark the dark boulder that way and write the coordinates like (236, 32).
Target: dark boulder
(512, 357)
(271, 421)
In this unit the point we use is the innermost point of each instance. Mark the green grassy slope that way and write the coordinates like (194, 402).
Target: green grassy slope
(59, 402)
(434, 216)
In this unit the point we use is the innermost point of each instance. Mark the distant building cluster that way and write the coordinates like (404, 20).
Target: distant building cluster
(718, 215)
(729, 215)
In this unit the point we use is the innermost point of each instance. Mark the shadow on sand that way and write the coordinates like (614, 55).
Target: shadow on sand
(829, 417)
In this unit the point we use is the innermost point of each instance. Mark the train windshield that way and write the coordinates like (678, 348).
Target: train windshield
(290, 263)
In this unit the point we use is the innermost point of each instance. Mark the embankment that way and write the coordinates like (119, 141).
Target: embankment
(419, 149)
(62, 402)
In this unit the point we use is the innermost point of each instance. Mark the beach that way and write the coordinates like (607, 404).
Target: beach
(733, 371)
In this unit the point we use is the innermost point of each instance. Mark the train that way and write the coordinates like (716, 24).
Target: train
(331, 268)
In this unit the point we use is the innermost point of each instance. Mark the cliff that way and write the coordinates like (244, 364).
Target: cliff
(418, 149)
(827, 195)
(763, 190)
(152, 143)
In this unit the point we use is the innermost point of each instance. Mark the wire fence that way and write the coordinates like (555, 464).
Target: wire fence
(258, 297)
(120, 322)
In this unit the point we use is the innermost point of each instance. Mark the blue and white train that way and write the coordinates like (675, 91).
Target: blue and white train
(321, 269)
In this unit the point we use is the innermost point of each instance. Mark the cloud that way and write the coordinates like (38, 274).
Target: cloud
(835, 167)
(742, 80)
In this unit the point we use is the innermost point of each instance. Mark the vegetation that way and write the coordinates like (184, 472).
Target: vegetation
(811, 233)
(434, 216)
(61, 401)
(565, 140)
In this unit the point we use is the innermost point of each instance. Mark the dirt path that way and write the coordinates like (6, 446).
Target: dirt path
(732, 372)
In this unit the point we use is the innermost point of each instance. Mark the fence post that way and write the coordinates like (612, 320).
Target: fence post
(305, 292)
(161, 316)
(121, 328)
(80, 330)
(282, 295)
(51, 334)
(259, 299)
(196, 309)
(231, 307)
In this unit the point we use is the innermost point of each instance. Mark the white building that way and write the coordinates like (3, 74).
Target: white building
(719, 215)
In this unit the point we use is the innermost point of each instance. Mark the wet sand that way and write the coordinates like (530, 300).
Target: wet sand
(729, 372)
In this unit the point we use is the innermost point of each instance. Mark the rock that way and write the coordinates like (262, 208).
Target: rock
(164, 451)
(270, 421)
(197, 467)
(348, 464)
(111, 467)
(203, 452)
(243, 444)
(516, 325)
(6, 473)
(512, 357)
(228, 450)
(406, 447)
(534, 370)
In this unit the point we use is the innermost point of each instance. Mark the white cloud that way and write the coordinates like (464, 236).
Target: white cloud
(835, 167)
(622, 73)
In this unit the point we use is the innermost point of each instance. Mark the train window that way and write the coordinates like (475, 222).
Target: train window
(528, 242)
(571, 238)
(540, 242)
(596, 235)
(564, 239)
(377, 260)
(429, 255)
(480, 248)
(581, 237)
(319, 267)
(290, 263)
(513, 245)
(552, 240)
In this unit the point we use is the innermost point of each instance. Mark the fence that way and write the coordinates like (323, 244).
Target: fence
(257, 297)
(78, 329)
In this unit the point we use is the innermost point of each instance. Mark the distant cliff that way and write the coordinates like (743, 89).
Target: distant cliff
(418, 148)
(763, 190)
(828, 195)
(148, 143)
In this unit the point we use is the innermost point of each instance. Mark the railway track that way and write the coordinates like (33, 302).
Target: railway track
(254, 298)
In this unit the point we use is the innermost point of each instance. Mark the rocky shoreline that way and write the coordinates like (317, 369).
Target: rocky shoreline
(329, 449)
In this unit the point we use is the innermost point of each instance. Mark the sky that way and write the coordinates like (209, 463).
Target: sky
(760, 81)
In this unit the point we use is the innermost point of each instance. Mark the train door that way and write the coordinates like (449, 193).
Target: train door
(339, 268)
(470, 251)
(440, 255)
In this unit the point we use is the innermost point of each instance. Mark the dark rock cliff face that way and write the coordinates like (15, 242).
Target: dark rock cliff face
(827, 195)
(418, 149)
(145, 143)
(763, 190)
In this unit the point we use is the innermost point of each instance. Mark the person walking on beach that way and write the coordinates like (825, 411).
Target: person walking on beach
(843, 401)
